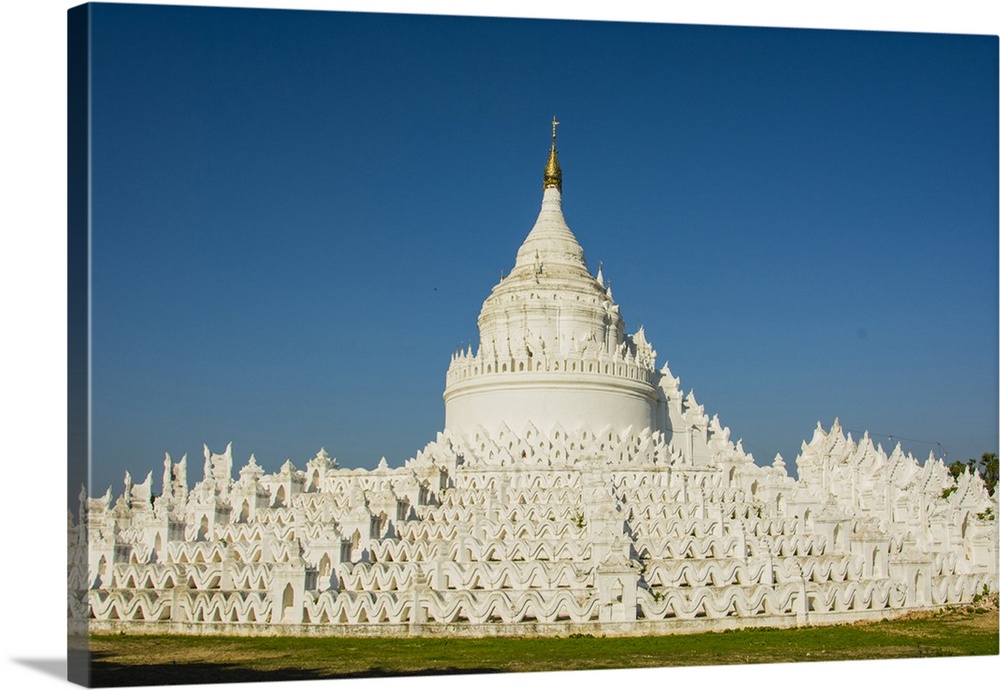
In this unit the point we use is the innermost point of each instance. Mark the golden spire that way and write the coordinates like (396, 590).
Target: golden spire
(553, 173)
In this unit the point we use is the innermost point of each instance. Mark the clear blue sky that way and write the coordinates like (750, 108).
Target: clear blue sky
(298, 215)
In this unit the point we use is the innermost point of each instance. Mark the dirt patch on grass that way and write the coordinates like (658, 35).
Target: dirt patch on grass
(982, 615)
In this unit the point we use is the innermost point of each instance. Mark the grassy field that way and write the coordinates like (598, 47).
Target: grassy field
(139, 660)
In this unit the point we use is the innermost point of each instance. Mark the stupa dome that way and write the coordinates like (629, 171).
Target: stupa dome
(552, 343)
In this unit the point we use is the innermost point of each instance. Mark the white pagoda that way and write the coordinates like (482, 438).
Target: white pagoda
(575, 489)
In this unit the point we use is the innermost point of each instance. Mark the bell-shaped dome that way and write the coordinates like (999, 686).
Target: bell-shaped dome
(552, 345)
(550, 297)
(550, 301)
(551, 244)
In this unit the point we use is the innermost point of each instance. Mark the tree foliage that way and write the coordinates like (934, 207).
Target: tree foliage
(986, 467)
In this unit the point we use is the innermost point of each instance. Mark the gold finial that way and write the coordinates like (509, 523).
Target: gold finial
(553, 173)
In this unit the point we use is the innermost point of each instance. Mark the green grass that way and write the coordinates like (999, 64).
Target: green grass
(161, 659)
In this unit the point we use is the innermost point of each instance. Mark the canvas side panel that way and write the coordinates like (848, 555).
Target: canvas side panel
(78, 345)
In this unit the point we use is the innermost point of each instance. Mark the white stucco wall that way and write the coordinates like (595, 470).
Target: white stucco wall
(545, 399)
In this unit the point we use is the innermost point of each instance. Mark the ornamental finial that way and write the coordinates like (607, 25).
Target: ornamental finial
(553, 173)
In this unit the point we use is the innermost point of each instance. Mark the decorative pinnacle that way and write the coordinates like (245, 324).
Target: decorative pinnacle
(553, 173)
